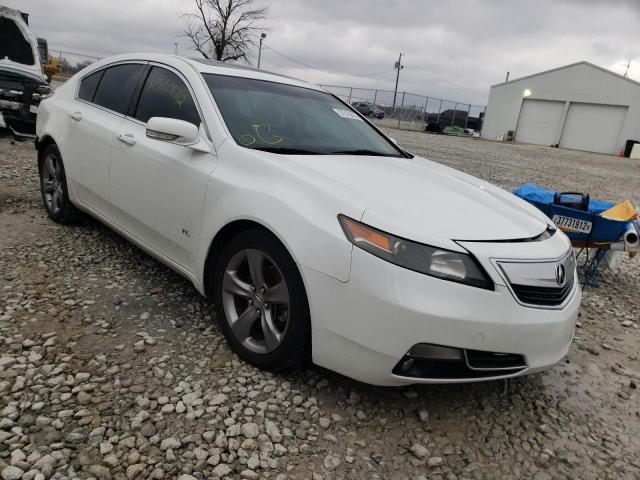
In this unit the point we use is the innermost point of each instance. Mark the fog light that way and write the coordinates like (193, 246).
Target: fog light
(435, 352)
(407, 365)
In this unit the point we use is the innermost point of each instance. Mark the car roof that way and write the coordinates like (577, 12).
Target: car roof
(204, 66)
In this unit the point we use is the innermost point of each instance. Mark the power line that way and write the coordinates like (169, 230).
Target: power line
(327, 71)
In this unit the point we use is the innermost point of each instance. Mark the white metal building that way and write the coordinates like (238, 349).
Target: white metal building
(580, 106)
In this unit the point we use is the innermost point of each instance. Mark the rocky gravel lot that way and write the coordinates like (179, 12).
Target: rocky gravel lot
(111, 365)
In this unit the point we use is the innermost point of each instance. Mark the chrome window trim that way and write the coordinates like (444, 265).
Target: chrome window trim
(133, 119)
(104, 67)
(498, 264)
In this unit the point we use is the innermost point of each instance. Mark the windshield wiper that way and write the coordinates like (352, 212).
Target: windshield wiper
(361, 152)
(286, 150)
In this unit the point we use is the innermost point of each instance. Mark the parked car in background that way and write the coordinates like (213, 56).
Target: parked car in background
(368, 109)
(22, 83)
(316, 236)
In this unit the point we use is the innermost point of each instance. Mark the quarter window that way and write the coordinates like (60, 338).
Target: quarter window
(165, 95)
(116, 86)
(88, 86)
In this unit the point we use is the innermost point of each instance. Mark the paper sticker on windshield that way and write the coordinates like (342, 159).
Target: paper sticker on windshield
(346, 114)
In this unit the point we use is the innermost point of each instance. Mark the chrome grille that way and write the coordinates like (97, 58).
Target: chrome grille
(548, 296)
(545, 284)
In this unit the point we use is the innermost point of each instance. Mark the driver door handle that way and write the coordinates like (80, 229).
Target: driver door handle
(77, 116)
(127, 138)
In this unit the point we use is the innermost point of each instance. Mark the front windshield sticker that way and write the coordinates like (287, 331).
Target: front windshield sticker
(346, 114)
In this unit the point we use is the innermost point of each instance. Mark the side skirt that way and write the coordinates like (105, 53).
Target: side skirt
(144, 246)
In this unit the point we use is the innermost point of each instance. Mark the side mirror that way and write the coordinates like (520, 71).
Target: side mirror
(172, 130)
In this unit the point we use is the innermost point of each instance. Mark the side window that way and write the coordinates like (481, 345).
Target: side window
(116, 86)
(165, 95)
(88, 86)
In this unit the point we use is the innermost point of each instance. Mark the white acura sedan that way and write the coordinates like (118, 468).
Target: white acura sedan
(315, 235)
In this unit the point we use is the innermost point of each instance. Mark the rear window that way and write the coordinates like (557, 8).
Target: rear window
(116, 86)
(88, 86)
(13, 45)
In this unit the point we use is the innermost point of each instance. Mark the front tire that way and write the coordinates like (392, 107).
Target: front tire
(260, 300)
(53, 187)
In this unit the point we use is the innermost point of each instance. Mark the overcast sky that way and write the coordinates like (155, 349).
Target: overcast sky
(454, 50)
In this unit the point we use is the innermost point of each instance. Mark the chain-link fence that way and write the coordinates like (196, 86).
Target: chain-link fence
(65, 64)
(409, 111)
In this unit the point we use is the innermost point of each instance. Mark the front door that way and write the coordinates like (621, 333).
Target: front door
(157, 188)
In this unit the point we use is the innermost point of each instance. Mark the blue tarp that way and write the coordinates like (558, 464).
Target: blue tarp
(534, 193)
(590, 227)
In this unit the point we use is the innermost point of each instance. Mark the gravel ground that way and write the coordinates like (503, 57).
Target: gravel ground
(111, 365)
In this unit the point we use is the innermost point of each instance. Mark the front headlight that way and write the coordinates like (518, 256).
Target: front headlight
(436, 262)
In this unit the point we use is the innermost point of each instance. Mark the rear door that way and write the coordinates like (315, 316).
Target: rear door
(94, 117)
(158, 187)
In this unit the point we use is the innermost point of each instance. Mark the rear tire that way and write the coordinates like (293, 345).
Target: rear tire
(260, 302)
(53, 187)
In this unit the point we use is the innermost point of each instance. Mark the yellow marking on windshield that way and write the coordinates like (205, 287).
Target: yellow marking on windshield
(273, 141)
(246, 139)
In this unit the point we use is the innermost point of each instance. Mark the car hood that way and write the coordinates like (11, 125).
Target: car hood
(425, 201)
(19, 72)
(19, 37)
(30, 71)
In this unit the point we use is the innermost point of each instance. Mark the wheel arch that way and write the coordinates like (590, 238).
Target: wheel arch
(42, 145)
(222, 237)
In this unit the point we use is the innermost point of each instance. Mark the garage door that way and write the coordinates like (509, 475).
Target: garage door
(540, 122)
(592, 127)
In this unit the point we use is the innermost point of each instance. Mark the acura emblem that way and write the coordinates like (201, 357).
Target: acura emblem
(560, 274)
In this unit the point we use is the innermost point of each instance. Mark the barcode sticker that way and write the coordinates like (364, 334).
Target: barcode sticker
(347, 114)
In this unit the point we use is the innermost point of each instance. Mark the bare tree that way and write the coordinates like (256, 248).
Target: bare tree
(224, 29)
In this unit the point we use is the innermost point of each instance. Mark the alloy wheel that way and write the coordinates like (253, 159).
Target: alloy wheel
(52, 183)
(256, 301)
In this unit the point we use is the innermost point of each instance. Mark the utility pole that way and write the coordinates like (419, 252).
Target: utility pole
(507, 79)
(626, 72)
(262, 37)
(175, 48)
(398, 66)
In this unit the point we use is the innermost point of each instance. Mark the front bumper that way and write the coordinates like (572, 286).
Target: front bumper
(370, 323)
(19, 100)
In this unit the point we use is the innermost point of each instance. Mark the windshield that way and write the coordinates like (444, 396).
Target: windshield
(282, 118)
